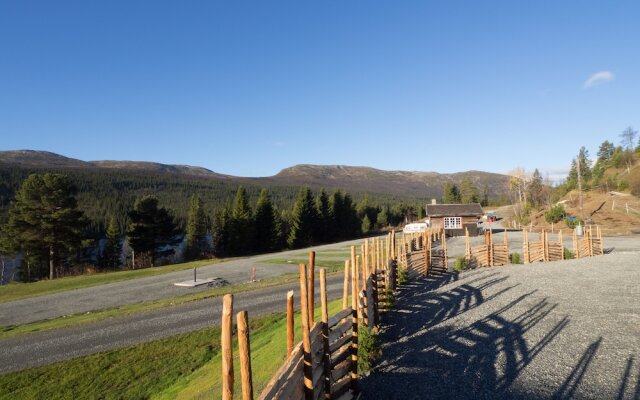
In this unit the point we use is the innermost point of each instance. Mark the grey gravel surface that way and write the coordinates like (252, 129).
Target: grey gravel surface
(566, 330)
(144, 289)
(62, 344)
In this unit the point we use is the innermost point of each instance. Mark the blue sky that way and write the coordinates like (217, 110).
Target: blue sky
(249, 88)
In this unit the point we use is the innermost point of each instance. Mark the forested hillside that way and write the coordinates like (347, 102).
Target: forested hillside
(109, 188)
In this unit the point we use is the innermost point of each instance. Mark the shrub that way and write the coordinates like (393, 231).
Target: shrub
(623, 185)
(403, 276)
(390, 298)
(572, 223)
(568, 254)
(555, 214)
(460, 264)
(514, 258)
(368, 349)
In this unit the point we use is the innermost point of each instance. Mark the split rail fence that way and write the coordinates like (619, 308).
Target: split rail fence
(324, 365)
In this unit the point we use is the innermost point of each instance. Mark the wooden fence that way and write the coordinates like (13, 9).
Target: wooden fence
(420, 254)
(324, 364)
(588, 245)
(488, 254)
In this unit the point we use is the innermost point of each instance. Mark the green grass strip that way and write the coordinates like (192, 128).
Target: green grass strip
(17, 291)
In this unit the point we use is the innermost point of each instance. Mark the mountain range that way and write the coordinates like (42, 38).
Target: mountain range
(410, 184)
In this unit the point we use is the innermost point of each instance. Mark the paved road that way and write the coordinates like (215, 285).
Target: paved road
(63, 344)
(144, 289)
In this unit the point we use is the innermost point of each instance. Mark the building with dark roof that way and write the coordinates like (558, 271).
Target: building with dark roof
(455, 218)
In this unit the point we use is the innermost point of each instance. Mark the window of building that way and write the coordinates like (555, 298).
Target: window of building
(452, 222)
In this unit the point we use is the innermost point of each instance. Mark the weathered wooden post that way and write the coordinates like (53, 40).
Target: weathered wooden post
(311, 285)
(345, 286)
(244, 349)
(226, 327)
(506, 246)
(354, 322)
(525, 246)
(290, 328)
(371, 303)
(325, 333)
(561, 244)
(306, 341)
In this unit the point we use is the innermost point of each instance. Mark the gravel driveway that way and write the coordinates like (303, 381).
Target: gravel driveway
(567, 329)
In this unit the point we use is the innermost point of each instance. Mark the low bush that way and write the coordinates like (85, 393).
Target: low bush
(572, 223)
(568, 254)
(368, 349)
(403, 276)
(555, 214)
(460, 264)
(514, 258)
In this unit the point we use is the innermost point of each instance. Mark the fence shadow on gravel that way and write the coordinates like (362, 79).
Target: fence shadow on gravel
(481, 360)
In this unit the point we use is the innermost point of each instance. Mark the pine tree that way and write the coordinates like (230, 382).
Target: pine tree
(152, 231)
(113, 247)
(605, 151)
(485, 196)
(324, 217)
(535, 189)
(221, 234)
(197, 245)
(366, 224)
(451, 194)
(266, 235)
(241, 228)
(303, 220)
(44, 221)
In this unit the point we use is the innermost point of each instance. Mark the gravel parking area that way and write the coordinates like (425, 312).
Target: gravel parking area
(568, 329)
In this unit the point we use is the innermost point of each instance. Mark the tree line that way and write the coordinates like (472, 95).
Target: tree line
(46, 226)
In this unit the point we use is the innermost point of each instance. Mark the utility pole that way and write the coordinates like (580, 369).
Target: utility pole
(580, 186)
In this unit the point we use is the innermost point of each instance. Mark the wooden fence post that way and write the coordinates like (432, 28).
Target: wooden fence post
(561, 244)
(354, 327)
(371, 303)
(226, 327)
(306, 341)
(345, 286)
(244, 348)
(311, 286)
(290, 329)
(325, 333)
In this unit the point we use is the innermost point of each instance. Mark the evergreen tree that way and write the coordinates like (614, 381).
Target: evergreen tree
(535, 189)
(241, 228)
(221, 231)
(451, 194)
(468, 192)
(485, 196)
(303, 220)
(266, 235)
(366, 224)
(113, 247)
(152, 231)
(585, 170)
(324, 217)
(605, 151)
(197, 245)
(44, 221)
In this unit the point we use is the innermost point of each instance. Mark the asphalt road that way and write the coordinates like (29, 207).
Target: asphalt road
(145, 289)
(63, 344)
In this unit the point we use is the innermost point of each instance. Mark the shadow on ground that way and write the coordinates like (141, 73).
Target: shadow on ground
(482, 360)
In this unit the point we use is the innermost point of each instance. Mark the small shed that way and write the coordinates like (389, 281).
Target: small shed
(454, 218)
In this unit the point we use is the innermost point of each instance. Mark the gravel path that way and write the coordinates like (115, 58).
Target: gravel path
(145, 289)
(568, 330)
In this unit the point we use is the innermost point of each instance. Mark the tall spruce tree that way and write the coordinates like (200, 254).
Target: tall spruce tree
(241, 228)
(266, 235)
(113, 246)
(44, 222)
(468, 192)
(535, 189)
(324, 217)
(221, 231)
(152, 231)
(303, 220)
(451, 194)
(197, 245)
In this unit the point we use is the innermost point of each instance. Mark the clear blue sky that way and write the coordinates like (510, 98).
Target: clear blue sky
(248, 88)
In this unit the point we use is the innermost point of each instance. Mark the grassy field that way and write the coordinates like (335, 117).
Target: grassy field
(16, 291)
(331, 265)
(186, 366)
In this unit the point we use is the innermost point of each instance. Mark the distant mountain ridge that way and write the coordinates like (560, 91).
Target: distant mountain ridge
(352, 178)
